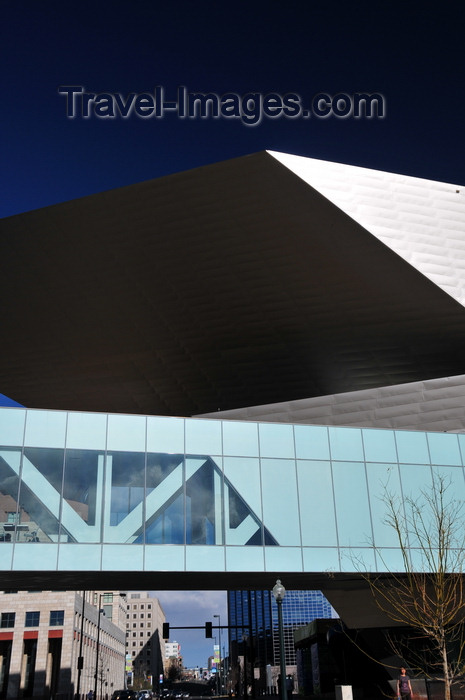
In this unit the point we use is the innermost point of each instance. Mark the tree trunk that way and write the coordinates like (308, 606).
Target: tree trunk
(445, 670)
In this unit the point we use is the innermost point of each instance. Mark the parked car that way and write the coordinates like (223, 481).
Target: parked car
(124, 695)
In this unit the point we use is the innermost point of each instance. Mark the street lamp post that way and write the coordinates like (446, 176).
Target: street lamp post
(279, 592)
(219, 657)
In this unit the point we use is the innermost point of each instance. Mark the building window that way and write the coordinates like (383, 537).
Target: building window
(149, 606)
(12, 517)
(142, 616)
(32, 619)
(8, 619)
(134, 616)
(134, 634)
(108, 597)
(57, 617)
(149, 615)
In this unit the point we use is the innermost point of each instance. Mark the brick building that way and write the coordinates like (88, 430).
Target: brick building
(144, 645)
(44, 633)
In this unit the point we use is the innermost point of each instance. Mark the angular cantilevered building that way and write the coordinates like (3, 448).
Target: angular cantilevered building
(205, 356)
(268, 279)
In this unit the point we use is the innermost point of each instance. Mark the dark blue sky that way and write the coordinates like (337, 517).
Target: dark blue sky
(411, 52)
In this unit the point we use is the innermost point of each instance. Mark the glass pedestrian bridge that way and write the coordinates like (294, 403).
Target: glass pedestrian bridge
(97, 492)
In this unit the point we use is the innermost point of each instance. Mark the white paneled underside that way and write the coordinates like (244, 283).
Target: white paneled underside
(423, 221)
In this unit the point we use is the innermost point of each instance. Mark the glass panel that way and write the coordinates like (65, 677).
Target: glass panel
(358, 559)
(444, 449)
(83, 495)
(203, 501)
(126, 433)
(161, 558)
(462, 447)
(12, 426)
(380, 445)
(412, 447)
(87, 431)
(124, 491)
(122, 557)
(383, 482)
(34, 557)
(283, 559)
(454, 497)
(346, 443)
(321, 559)
(45, 429)
(10, 460)
(165, 499)
(244, 559)
(316, 503)
(240, 439)
(352, 511)
(165, 434)
(79, 557)
(40, 495)
(276, 440)
(242, 501)
(311, 442)
(416, 478)
(205, 559)
(454, 481)
(389, 560)
(203, 437)
(280, 505)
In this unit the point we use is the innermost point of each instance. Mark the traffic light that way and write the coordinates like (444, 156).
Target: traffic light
(208, 630)
(166, 630)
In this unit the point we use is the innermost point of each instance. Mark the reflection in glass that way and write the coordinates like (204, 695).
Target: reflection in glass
(82, 493)
(242, 502)
(242, 525)
(10, 460)
(201, 504)
(40, 495)
(164, 499)
(125, 476)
